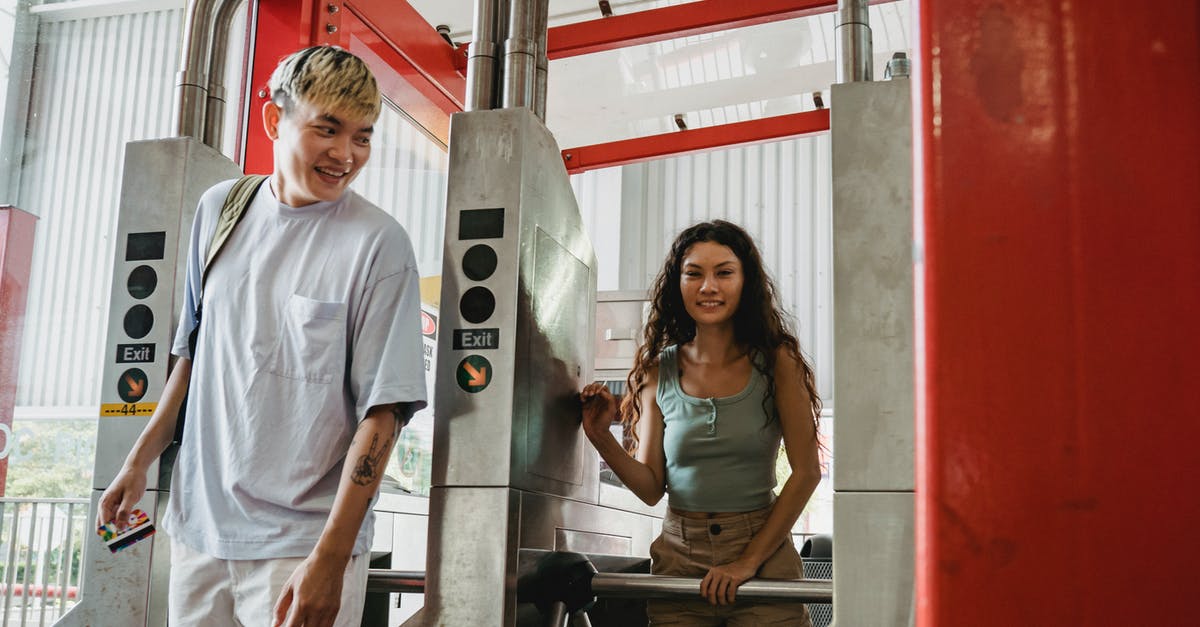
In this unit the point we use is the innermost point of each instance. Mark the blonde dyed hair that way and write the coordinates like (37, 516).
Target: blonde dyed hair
(328, 78)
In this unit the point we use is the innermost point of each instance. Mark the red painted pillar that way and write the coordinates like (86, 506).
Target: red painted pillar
(1058, 435)
(16, 255)
(281, 28)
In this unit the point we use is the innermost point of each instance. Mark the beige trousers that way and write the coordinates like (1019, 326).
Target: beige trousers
(208, 592)
(688, 547)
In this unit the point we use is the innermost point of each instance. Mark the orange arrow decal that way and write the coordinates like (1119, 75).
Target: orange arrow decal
(135, 387)
(478, 377)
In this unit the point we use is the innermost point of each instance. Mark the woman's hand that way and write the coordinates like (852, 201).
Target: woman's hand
(720, 585)
(599, 409)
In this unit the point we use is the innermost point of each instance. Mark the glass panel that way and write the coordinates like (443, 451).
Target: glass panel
(406, 177)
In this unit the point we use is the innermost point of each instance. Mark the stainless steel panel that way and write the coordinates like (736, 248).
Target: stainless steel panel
(873, 286)
(620, 317)
(544, 516)
(472, 544)
(162, 184)
(117, 584)
(589, 542)
(520, 430)
(873, 558)
(512, 471)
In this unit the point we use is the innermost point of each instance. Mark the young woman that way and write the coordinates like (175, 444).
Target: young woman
(718, 381)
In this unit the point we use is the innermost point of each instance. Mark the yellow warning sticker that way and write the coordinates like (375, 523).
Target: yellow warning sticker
(127, 409)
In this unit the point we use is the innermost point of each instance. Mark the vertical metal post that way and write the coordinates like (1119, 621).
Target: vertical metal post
(44, 566)
(481, 57)
(191, 87)
(520, 50)
(557, 616)
(28, 563)
(214, 116)
(10, 573)
(541, 24)
(854, 46)
(66, 561)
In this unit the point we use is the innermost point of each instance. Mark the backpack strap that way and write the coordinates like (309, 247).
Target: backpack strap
(235, 206)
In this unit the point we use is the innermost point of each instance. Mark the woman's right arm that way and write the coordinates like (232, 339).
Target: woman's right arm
(646, 475)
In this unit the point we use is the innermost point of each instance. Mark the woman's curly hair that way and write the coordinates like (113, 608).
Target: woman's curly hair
(758, 323)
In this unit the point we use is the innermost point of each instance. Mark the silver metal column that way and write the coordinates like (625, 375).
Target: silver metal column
(512, 471)
(163, 181)
(520, 54)
(854, 45)
(543, 63)
(191, 88)
(214, 115)
(873, 343)
(482, 64)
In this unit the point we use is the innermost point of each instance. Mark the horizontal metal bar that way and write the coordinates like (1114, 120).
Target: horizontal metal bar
(634, 586)
(628, 151)
(683, 20)
(385, 580)
(19, 500)
(638, 586)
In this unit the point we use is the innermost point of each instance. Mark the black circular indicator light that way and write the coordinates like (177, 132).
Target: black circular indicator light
(138, 321)
(142, 282)
(480, 262)
(477, 305)
(131, 387)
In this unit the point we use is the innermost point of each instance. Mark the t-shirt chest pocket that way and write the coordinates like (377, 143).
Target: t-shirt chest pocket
(312, 341)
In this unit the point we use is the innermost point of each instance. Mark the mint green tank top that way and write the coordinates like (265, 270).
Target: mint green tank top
(720, 452)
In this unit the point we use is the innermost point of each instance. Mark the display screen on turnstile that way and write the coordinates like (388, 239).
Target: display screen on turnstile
(481, 224)
(146, 246)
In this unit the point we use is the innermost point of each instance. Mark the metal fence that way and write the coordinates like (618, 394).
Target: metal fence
(41, 545)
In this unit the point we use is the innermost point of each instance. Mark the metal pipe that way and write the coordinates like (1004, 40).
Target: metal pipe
(384, 580)
(481, 57)
(853, 36)
(637, 586)
(520, 50)
(214, 115)
(557, 616)
(542, 68)
(191, 93)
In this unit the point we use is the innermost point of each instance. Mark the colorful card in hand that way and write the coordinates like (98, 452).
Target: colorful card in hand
(139, 528)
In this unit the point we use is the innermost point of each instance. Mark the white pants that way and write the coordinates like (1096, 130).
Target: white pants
(210, 592)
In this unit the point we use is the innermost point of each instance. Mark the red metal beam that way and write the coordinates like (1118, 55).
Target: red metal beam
(682, 20)
(639, 149)
(1058, 412)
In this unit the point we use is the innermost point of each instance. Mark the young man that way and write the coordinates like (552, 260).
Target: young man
(307, 363)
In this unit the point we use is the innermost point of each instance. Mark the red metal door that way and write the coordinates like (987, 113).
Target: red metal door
(1058, 402)
(417, 70)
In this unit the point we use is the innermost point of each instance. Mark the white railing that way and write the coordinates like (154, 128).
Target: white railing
(41, 545)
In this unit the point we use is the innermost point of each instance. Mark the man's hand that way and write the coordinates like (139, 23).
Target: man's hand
(121, 497)
(720, 585)
(312, 596)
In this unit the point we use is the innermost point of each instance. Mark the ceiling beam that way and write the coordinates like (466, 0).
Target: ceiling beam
(640, 149)
(682, 20)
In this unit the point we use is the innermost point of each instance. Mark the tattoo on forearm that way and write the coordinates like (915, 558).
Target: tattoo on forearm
(400, 412)
(368, 468)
